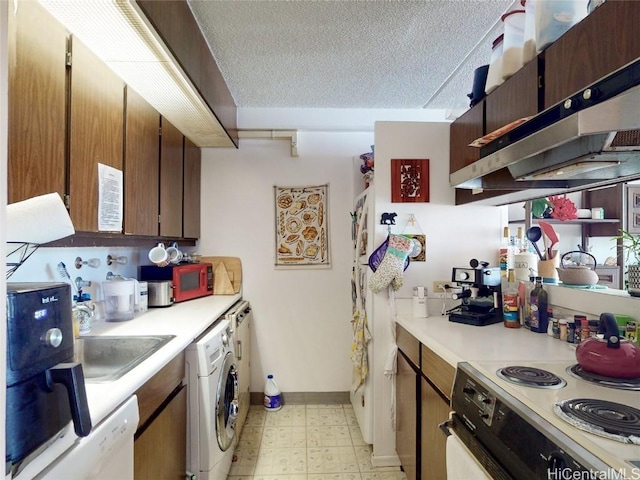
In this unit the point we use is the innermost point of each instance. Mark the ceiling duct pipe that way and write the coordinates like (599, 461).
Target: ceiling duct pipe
(291, 135)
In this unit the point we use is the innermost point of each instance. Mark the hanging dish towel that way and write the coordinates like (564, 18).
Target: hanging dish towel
(390, 365)
(359, 357)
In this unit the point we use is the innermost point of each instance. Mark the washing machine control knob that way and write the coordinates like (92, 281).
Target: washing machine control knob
(225, 339)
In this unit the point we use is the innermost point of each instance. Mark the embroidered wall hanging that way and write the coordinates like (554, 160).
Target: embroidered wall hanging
(302, 231)
(409, 180)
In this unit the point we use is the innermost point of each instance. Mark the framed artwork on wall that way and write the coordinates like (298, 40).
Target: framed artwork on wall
(409, 180)
(302, 226)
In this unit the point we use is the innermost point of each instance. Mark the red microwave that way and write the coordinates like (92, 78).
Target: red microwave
(190, 280)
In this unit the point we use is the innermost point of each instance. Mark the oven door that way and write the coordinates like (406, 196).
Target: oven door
(466, 457)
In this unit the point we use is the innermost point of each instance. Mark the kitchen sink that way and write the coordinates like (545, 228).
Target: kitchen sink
(107, 358)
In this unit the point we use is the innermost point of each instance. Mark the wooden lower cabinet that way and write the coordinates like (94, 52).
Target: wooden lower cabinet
(406, 415)
(160, 450)
(408, 402)
(423, 389)
(436, 385)
(434, 411)
(160, 446)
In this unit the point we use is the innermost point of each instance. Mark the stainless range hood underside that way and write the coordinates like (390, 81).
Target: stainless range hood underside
(597, 146)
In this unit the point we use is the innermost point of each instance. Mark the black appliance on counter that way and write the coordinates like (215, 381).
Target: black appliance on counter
(481, 294)
(45, 388)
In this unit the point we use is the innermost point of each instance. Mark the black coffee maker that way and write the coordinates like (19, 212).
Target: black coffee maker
(45, 389)
(481, 294)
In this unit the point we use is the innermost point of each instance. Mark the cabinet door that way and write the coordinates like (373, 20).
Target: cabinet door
(464, 130)
(171, 175)
(37, 99)
(96, 132)
(603, 42)
(141, 166)
(516, 98)
(191, 213)
(434, 411)
(407, 416)
(161, 449)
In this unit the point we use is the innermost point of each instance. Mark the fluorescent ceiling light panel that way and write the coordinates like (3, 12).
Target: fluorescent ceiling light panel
(571, 170)
(118, 34)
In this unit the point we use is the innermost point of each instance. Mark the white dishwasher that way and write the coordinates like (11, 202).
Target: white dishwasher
(105, 454)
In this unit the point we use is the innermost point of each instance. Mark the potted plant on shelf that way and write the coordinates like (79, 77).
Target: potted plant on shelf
(631, 247)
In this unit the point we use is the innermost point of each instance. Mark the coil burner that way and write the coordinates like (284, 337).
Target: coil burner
(607, 419)
(531, 377)
(610, 382)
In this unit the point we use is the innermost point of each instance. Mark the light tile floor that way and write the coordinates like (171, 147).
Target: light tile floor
(305, 442)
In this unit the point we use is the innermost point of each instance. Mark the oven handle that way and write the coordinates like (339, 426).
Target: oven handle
(445, 426)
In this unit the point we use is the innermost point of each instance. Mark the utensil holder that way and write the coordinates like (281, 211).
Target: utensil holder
(547, 269)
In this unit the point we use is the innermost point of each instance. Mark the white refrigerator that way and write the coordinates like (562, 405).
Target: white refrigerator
(361, 391)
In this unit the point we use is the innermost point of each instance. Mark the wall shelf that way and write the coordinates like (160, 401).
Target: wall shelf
(578, 221)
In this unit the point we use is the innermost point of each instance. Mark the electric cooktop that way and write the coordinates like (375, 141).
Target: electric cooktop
(560, 390)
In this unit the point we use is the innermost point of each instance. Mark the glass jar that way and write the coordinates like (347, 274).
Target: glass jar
(571, 330)
(494, 75)
(529, 44)
(82, 316)
(513, 42)
(555, 328)
(593, 327)
(562, 326)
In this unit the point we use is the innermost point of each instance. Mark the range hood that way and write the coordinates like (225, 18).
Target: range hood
(590, 140)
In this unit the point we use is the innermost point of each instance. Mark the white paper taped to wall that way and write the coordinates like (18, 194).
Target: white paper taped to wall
(38, 220)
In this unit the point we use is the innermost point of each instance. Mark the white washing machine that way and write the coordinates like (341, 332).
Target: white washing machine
(213, 403)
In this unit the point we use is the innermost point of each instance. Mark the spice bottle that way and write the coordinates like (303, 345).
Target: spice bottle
(593, 327)
(83, 312)
(539, 303)
(571, 330)
(562, 325)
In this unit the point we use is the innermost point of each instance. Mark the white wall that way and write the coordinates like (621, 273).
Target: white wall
(42, 266)
(454, 235)
(302, 329)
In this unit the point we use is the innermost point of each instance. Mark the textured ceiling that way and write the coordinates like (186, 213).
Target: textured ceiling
(350, 54)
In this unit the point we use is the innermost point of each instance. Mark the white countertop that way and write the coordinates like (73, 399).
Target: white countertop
(186, 320)
(458, 342)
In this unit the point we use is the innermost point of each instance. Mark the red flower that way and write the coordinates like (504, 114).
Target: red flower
(563, 208)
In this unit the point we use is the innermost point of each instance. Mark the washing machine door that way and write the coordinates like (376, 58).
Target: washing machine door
(227, 402)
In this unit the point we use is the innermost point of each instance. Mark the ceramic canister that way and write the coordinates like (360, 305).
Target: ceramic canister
(525, 265)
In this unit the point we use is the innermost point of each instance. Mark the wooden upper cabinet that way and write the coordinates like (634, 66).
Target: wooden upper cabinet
(603, 42)
(96, 132)
(464, 130)
(141, 166)
(516, 98)
(171, 184)
(37, 99)
(191, 205)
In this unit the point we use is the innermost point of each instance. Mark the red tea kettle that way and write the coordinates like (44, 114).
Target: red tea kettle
(610, 356)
